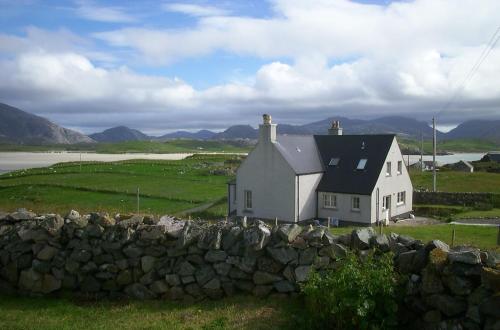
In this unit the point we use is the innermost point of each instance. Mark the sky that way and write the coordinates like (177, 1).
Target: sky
(160, 66)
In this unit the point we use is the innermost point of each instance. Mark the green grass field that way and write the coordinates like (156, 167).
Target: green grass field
(459, 145)
(230, 313)
(457, 181)
(166, 187)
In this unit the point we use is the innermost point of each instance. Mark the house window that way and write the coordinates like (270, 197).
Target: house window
(329, 201)
(355, 203)
(400, 167)
(334, 161)
(248, 199)
(388, 169)
(361, 164)
(401, 197)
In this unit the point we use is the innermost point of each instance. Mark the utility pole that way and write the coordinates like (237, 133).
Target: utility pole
(421, 152)
(433, 154)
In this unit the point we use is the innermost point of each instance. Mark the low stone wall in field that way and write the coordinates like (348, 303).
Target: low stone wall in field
(145, 258)
(455, 198)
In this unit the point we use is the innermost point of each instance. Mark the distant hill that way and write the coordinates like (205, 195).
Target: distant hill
(476, 129)
(17, 126)
(119, 134)
(237, 132)
(200, 135)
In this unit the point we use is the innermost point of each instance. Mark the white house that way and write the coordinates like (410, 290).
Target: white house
(353, 178)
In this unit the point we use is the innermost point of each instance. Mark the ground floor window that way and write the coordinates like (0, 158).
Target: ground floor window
(401, 197)
(248, 199)
(329, 201)
(355, 203)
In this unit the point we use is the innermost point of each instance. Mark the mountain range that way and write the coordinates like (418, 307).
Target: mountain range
(17, 126)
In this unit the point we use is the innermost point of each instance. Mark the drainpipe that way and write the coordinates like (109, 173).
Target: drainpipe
(377, 203)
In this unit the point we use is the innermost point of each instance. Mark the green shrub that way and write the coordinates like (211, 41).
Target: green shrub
(480, 206)
(359, 294)
(441, 211)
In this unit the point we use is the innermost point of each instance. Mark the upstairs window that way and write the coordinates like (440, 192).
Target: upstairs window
(355, 203)
(401, 197)
(362, 164)
(334, 162)
(248, 199)
(400, 167)
(388, 169)
(329, 201)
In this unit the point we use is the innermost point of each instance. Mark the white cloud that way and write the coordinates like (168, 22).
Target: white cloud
(93, 12)
(194, 10)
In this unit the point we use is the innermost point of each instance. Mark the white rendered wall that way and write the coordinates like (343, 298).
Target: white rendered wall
(344, 211)
(272, 182)
(391, 185)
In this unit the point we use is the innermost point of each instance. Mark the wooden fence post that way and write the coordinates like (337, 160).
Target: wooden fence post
(453, 238)
(498, 235)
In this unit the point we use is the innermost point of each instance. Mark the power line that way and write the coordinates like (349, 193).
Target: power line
(484, 54)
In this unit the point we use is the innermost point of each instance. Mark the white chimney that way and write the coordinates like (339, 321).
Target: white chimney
(267, 130)
(335, 129)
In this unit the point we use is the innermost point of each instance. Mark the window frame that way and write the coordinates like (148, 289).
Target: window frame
(246, 194)
(401, 199)
(388, 169)
(355, 198)
(400, 167)
(332, 201)
(335, 161)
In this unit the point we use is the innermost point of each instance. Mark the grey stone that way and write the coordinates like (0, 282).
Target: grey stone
(132, 251)
(41, 266)
(315, 235)
(154, 232)
(245, 286)
(306, 257)
(360, 238)
(37, 235)
(302, 273)
(432, 316)
(257, 237)
(491, 306)
(47, 253)
(148, 278)
(21, 215)
(52, 224)
(147, 263)
(185, 269)
(215, 256)
(262, 290)
(71, 266)
(407, 241)
(194, 290)
(448, 305)
(431, 281)
(172, 279)
(381, 242)
(173, 227)
(222, 268)
(124, 277)
(284, 286)
(289, 232)
(260, 278)
(94, 230)
(175, 293)
(213, 284)
(90, 284)
(139, 291)
(73, 216)
(334, 251)
(81, 255)
(30, 280)
(187, 279)
(104, 220)
(404, 261)
(490, 278)
(289, 273)
(231, 237)
(283, 255)
(437, 244)
(464, 254)
(268, 265)
(159, 287)
(210, 238)
(133, 221)
(458, 285)
(238, 274)
(89, 267)
(204, 274)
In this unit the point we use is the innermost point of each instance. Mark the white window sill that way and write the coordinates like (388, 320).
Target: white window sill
(330, 207)
(400, 204)
(355, 210)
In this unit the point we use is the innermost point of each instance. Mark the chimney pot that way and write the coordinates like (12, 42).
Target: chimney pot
(335, 129)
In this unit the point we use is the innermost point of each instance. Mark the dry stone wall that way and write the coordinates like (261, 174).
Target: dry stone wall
(144, 258)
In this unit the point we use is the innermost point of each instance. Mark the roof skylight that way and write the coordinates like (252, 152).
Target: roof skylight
(334, 162)
(362, 164)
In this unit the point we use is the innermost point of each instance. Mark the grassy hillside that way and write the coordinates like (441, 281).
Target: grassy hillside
(461, 145)
(173, 146)
(166, 187)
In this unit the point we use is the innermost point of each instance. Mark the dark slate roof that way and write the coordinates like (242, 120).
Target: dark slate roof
(345, 178)
(300, 152)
